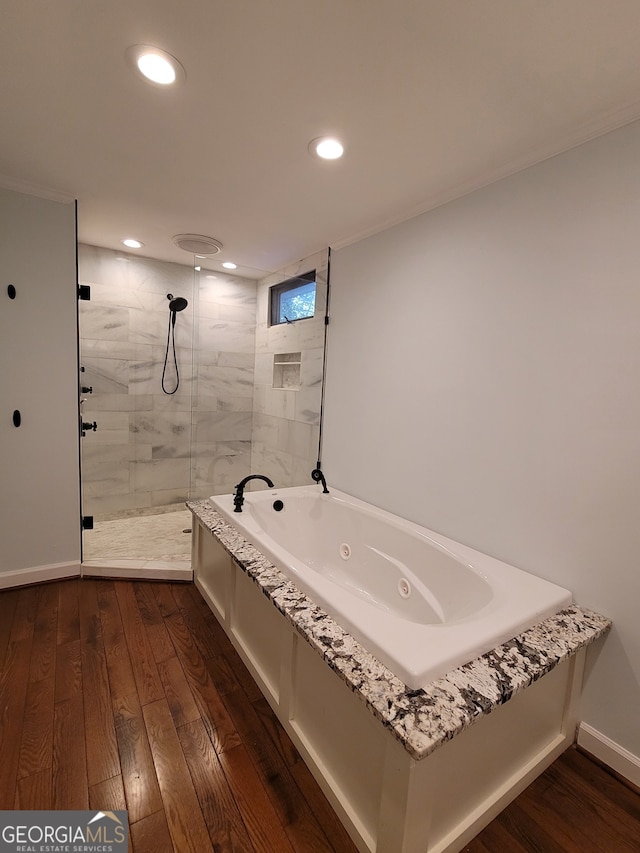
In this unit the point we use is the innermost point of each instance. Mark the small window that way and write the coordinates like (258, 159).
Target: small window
(293, 299)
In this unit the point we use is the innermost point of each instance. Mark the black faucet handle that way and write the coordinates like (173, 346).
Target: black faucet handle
(318, 476)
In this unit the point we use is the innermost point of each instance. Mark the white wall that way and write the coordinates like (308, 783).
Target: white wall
(40, 518)
(484, 380)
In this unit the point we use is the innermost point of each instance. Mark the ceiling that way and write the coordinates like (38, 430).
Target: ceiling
(432, 99)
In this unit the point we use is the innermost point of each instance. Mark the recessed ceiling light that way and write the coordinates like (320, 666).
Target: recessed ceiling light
(133, 244)
(228, 265)
(156, 66)
(326, 147)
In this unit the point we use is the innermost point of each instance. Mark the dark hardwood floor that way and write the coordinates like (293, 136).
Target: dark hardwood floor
(128, 695)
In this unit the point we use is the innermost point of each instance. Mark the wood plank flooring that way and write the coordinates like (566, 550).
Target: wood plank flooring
(128, 695)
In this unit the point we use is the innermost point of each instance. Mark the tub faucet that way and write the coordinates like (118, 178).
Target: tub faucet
(318, 476)
(238, 497)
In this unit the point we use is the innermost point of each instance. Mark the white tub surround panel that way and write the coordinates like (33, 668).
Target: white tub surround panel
(406, 770)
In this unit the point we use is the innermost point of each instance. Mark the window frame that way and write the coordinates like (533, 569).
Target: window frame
(276, 291)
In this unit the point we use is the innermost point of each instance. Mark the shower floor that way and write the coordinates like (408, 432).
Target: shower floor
(140, 546)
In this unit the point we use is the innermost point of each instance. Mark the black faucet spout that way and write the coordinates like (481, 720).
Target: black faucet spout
(318, 476)
(238, 498)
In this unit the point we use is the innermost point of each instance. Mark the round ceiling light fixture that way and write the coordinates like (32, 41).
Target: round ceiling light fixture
(198, 244)
(229, 265)
(133, 244)
(326, 147)
(156, 65)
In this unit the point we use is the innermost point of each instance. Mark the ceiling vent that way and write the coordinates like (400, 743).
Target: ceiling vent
(197, 244)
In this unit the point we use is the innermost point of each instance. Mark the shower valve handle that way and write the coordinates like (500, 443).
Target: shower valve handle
(85, 426)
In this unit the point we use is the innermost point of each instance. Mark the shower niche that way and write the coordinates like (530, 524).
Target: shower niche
(286, 370)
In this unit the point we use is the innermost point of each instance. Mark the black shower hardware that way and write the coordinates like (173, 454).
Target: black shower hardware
(11, 291)
(238, 498)
(86, 389)
(176, 303)
(318, 476)
(87, 427)
(17, 418)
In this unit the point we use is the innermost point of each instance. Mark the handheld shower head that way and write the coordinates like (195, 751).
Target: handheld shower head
(177, 304)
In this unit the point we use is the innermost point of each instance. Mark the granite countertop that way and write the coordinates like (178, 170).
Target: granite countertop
(423, 719)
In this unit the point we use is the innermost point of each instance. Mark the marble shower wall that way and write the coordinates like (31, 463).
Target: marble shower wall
(286, 422)
(223, 398)
(152, 450)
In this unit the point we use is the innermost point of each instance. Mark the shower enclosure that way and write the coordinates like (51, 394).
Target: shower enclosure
(172, 427)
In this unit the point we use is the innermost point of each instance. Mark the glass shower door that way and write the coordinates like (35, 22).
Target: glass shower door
(136, 462)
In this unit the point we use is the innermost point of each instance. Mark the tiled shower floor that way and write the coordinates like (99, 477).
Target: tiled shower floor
(141, 544)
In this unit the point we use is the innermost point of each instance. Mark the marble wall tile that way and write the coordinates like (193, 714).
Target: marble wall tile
(145, 377)
(97, 403)
(302, 439)
(300, 470)
(103, 436)
(205, 402)
(225, 382)
(152, 327)
(311, 368)
(223, 289)
(264, 368)
(169, 404)
(275, 464)
(161, 426)
(103, 322)
(113, 506)
(281, 403)
(231, 336)
(106, 454)
(169, 497)
(245, 314)
(235, 404)
(160, 475)
(209, 358)
(175, 450)
(110, 420)
(222, 426)
(267, 429)
(307, 406)
(107, 480)
(219, 466)
(105, 375)
(122, 350)
(107, 294)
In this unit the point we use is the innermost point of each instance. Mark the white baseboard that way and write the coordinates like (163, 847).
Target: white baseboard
(38, 574)
(610, 753)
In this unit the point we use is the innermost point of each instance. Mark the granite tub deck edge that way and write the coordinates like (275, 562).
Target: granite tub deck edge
(423, 719)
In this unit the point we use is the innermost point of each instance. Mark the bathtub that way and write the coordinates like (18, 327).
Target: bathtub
(419, 602)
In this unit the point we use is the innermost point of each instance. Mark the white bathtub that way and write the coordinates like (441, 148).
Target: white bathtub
(421, 603)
